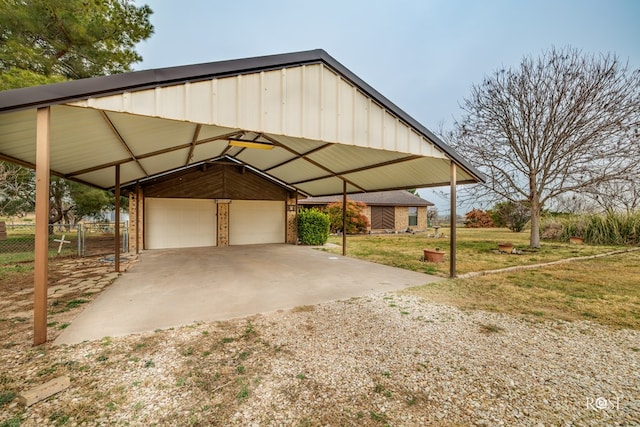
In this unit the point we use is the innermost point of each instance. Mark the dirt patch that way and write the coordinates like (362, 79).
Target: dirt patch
(73, 283)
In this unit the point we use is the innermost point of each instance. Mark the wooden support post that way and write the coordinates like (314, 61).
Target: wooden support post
(137, 219)
(117, 221)
(344, 218)
(41, 271)
(452, 253)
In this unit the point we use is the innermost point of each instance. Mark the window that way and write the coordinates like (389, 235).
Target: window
(413, 216)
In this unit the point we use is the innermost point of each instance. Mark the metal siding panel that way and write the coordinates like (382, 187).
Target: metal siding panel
(262, 160)
(293, 102)
(171, 102)
(207, 132)
(208, 151)
(226, 102)
(86, 137)
(105, 177)
(375, 125)
(346, 105)
(345, 157)
(360, 120)
(325, 186)
(140, 102)
(165, 162)
(402, 137)
(407, 174)
(312, 100)
(149, 134)
(389, 133)
(272, 101)
(330, 107)
(415, 143)
(199, 103)
(250, 96)
(18, 135)
(297, 170)
(298, 145)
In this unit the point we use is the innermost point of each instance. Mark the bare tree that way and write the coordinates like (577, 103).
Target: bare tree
(557, 124)
(620, 194)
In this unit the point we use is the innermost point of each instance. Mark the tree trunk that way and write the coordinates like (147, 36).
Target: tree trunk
(534, 241)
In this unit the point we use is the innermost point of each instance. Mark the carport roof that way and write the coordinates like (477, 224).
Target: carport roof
(320, 123)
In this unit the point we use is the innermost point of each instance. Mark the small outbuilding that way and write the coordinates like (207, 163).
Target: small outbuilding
(387, 211)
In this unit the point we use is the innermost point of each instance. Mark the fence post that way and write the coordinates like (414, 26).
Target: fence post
(125, 237)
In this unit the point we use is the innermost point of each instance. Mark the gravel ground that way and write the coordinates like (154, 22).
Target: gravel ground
(387, 359)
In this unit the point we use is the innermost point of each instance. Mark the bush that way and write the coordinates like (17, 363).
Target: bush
(550, 228)
(607, 229)
(477, 218)
(514, 216)
(313, 227)
(357, 221)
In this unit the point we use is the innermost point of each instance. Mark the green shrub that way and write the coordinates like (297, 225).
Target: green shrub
(514, 216)
(313, 227)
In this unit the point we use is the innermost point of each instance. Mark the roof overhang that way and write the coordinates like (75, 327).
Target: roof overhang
(323, 124)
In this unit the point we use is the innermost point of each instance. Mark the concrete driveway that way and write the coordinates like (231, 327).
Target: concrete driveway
(175, 287)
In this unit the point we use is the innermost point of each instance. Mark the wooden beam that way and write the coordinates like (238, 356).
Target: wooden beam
(41, 392)
(452, 238)
(344, 218)
(41, 273)
(117, 222)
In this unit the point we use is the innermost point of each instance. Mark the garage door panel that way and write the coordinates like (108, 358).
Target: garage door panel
(256, 221)
(179, 223)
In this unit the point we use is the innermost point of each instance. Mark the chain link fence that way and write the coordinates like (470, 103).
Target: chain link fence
(17, 241)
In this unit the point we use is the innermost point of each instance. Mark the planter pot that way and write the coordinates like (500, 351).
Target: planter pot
(576, 240)
(505, 247)
(431, 255)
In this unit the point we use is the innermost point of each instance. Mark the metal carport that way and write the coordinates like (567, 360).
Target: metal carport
(321, 130)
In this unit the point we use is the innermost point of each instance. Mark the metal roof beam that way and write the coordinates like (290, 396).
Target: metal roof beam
(364, 168)
(119, 137)
(301, 156)
(313, 162)
(194, 140)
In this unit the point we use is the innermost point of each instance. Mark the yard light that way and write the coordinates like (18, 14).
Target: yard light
(250, 144)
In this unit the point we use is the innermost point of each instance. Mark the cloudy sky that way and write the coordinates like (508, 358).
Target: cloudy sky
(423, 55)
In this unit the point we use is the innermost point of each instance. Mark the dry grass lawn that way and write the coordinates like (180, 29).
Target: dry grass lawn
(605, 290)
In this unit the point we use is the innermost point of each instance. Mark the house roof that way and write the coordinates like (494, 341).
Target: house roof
(378, 198)
(324, 126)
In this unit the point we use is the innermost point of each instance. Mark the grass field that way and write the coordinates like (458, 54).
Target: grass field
(605, 290)
(477, 250)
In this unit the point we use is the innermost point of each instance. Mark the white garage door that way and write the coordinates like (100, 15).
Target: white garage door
(256, 221)
(179, 223)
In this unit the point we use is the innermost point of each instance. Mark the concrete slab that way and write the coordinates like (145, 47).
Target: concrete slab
(175, 287)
